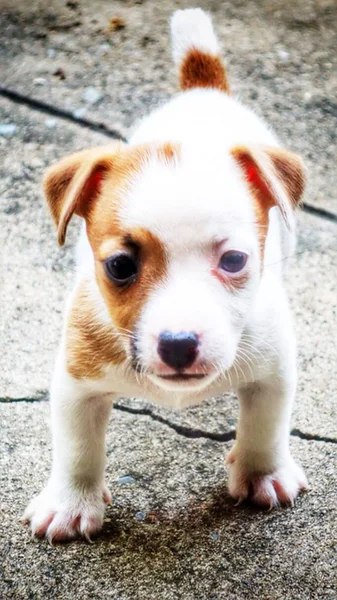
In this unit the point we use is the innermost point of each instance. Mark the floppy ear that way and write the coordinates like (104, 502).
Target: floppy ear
(73, 183)
(276, 176)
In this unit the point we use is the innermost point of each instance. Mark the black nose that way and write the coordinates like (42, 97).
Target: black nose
(178, 350)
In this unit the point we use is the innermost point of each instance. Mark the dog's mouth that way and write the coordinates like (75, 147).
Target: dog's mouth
(183, 382)
(182, 376)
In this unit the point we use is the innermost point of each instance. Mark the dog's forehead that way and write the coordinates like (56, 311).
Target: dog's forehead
(194, 199)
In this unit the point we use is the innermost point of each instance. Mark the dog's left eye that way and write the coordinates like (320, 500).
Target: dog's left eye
(121, 268)
(233, 261)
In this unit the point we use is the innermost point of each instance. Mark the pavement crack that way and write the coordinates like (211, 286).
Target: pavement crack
(319, 212)
(61, 113)
(40, 397)
(183, 430)
(188, 432)
(313, 437)
(226, 436)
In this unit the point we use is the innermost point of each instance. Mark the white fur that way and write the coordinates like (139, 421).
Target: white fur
(192, 28)
(198, 207)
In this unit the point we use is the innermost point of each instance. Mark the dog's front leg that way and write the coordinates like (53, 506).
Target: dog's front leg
(73, 501)
(261, 466)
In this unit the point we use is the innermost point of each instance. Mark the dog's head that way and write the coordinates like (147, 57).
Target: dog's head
(178, 240)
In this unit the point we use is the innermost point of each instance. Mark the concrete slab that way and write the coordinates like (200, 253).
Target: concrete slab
(281, 58)
(172, 534)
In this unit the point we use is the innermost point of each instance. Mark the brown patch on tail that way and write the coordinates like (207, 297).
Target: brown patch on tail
(200, 69)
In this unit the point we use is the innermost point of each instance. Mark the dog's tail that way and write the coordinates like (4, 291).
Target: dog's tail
(196, 51)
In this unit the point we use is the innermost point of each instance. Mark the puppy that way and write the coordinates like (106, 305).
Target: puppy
(178, 293)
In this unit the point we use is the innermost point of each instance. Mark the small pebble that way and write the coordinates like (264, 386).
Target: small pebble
(80, 112)
(214, 536)
(283, 56)
(140, 516)
(307, 96)
(7, 129)
(124, 479)
(51, 53)
(116, 23)
(50, 123)
(104, 48)
(39, 81)
(60, 74)
(91, 95)
(12, 209)
(36, 162)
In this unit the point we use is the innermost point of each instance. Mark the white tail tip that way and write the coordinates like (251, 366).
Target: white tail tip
(196, 51)
(192, 29)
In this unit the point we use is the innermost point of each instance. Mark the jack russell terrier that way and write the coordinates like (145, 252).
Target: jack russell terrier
(179, 293)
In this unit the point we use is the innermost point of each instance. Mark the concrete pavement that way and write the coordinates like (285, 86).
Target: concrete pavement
(172, 532)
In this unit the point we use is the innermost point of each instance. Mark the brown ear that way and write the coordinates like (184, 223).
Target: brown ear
(71, 184)
(276, 176)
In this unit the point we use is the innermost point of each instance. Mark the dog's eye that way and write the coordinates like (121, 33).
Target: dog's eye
(121, 268)
(233, 261)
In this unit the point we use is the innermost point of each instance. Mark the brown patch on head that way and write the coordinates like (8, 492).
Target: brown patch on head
(91, 345)
(125, 304)
(92, 184)
(200, 69)
(107, 237)
(275, 178)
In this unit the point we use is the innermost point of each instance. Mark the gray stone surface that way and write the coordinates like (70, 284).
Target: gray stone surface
(281, 57)
(192, 543)
(174, 533)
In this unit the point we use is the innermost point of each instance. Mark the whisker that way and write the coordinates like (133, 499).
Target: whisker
(226, 374)
(256, 339)
(241, 370)
(235, 370)
(246, 359)
(252, 350)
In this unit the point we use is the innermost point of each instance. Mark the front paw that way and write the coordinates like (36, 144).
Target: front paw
(278, 486)
(60, 517)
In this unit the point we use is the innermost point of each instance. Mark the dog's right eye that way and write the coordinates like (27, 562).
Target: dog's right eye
(121, 269)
